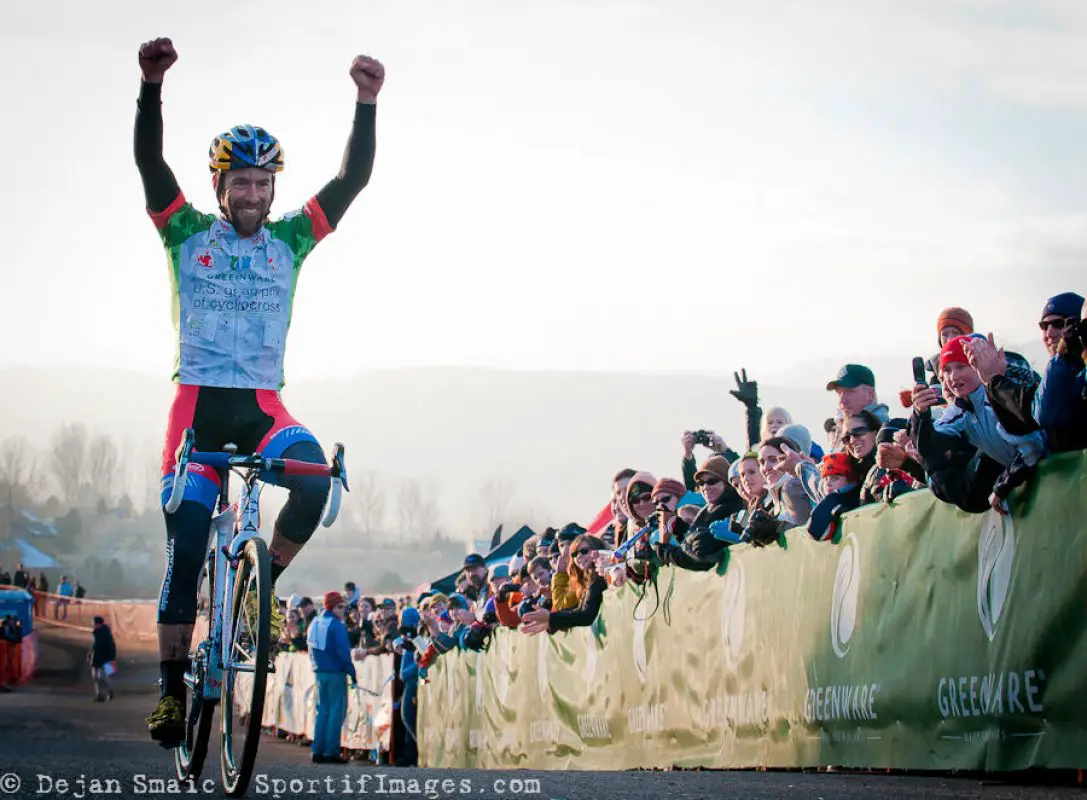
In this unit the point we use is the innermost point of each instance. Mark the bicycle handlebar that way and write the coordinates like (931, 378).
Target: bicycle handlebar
(287, 466)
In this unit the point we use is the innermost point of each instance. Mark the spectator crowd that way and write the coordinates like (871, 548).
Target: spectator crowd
(975, 426)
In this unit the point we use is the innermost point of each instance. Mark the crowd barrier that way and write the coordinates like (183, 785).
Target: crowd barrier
(925, 639)
(290, 701)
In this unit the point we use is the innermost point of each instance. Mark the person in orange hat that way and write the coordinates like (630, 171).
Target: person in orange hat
(330, 653)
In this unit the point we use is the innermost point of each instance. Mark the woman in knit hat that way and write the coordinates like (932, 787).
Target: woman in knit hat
(953, 322)
(698, 546)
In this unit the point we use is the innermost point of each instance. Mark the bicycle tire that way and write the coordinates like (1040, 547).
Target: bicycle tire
(190, 756)
(236, 772)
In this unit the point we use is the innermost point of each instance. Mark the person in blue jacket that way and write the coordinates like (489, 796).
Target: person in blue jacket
(409, 674)
(331, 656)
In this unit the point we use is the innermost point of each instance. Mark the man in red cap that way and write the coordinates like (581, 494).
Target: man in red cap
(330, 653)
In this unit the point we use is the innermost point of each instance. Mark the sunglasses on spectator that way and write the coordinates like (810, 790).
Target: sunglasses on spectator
(707, 482)
(645, 498)
(584, 551)
(664, 499)
(1059, 324)
(856, 433)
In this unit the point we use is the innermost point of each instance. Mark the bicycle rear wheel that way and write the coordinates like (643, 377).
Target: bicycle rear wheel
(250, 644)
(189, 756)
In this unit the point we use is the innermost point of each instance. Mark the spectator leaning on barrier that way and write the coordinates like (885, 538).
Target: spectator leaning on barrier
(789, 501)
(1024, 402)
(698, 546)
(588, 586)
(1000, 460)
(332, 666)
(839, 492)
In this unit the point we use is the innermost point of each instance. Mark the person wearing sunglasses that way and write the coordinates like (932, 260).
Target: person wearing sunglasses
(331, 656)
(587, 584)
(698, 546)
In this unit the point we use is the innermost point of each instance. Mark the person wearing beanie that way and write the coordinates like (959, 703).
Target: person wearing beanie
(953, 322)
(1060, 312)
(330, 654)
(689, 505)
(698, 545)
(409, 675)
(970, 424)
(638, 499)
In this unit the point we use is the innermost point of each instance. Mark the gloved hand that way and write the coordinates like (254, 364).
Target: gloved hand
(762, 529)
(721, 530)
(747, 392)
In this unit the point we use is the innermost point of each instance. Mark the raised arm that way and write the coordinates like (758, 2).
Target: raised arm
(160, 187)
(358, 159)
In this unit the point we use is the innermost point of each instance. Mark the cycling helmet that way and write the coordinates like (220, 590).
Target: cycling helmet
(245, 146)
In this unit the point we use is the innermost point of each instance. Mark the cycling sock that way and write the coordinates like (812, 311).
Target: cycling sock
(173, 679)
(276, 571)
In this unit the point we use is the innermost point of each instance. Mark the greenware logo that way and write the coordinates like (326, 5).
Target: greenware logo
(843, 608)
(996, 552)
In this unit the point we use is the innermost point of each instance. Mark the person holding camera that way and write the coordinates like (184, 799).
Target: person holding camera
(1055, 402)
(1000, 461)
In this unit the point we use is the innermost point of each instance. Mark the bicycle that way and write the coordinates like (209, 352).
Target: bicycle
(238, 563)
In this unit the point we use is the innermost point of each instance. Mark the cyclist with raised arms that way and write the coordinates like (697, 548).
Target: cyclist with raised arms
(233, 276)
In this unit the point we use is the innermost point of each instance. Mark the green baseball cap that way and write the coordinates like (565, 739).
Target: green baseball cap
(851, 376)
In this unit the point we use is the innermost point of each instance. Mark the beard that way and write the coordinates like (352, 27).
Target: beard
(246, 218)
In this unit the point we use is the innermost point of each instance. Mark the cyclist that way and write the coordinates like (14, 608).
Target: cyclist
(233, 277)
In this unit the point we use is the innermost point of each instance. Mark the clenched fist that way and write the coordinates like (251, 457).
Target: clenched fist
(368, 74)
(156, 57)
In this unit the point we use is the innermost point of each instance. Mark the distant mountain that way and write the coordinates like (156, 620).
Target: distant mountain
(556, 437)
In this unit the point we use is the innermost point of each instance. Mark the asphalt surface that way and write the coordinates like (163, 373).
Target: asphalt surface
(51, 731)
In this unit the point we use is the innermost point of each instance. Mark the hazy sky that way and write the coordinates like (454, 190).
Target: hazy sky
(566, 184)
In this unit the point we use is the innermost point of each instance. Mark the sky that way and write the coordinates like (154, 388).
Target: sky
(674, 186)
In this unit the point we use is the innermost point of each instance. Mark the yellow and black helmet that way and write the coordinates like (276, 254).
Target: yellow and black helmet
(245, 146)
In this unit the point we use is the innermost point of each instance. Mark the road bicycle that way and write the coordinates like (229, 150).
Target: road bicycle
(237, 567)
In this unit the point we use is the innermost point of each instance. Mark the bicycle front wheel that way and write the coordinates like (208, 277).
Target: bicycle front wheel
(244, 683)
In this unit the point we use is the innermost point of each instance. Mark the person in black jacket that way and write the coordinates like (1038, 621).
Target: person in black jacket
(698, 546)
(585, 581)
(103, 652)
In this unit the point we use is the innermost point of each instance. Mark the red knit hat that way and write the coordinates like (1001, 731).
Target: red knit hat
(836, 464)
(669, 486)
(954, 317)
(333, 599)
(953, 352)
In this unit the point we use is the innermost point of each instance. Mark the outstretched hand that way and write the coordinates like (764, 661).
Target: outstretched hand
(156, 56)
(368, 75)
(747, 392)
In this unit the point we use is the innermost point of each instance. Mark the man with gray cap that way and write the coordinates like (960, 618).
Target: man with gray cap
(855, 386)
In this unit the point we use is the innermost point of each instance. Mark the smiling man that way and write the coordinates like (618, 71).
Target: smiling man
(233, 276)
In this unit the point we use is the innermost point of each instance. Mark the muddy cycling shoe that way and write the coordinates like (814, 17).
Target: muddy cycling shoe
(167, 723)
(276, 620)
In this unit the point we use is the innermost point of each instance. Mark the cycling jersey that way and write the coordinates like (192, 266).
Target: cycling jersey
(232, 297)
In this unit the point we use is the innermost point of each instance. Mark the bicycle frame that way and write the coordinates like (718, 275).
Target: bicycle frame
(231, 528)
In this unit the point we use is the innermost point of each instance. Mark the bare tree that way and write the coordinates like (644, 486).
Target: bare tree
(369, 506)
(416, 510)
(68, 460)
(494, 503)
(19, 471)
(103, 469)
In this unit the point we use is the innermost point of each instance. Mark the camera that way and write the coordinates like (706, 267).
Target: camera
(702, 438)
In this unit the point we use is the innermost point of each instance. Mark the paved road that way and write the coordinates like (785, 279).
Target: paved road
(51, 731)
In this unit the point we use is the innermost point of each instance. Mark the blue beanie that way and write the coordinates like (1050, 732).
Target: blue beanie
(1068, 304)
(691, 499)
(409, 618)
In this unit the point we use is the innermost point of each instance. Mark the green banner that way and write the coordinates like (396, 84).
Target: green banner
(925, 638)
